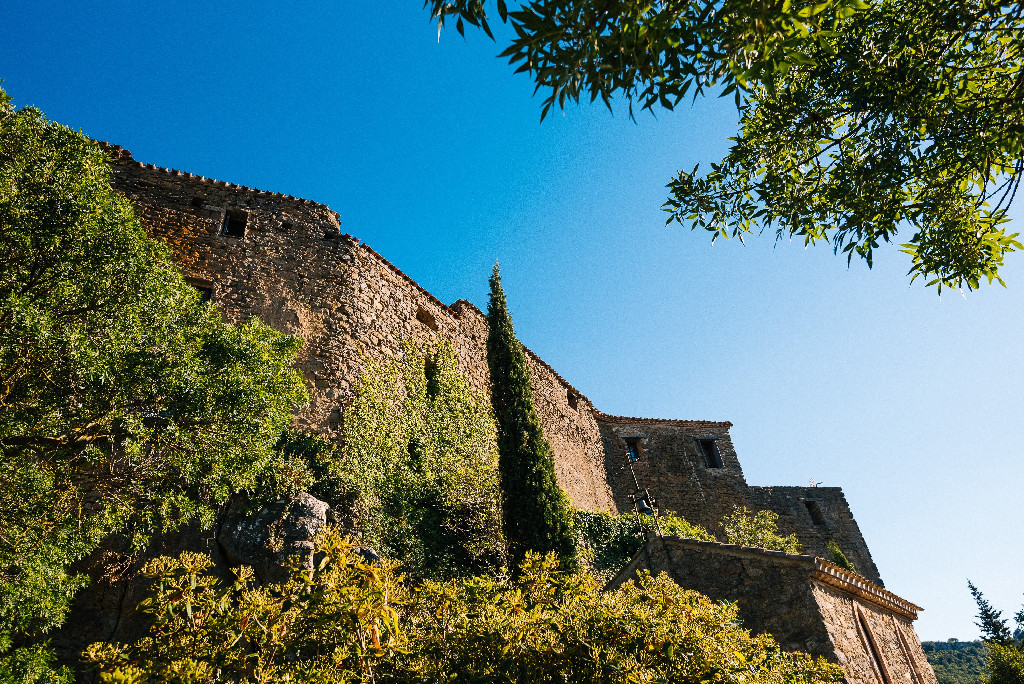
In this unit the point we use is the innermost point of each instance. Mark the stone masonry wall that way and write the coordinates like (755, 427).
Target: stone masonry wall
(805, 603)
(672, 467)
(871, 643)
(297, 272)
(816, 515)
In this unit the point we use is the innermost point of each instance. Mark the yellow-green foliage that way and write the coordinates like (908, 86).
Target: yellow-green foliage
(350, 622)
(419, 465)
(331, 625)
(1005, 664)
(610, 541)
(747, 528)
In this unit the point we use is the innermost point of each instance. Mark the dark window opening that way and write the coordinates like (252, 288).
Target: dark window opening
(709, 450)
(234, 224)
(815, 510)
(430, 370)
(286, 227)
(632, 452)
(198, 202)
(425, 317)
(570, 396)
(203, 287)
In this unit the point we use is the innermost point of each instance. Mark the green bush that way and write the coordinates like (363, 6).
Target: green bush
(125, 402)
(760, 529)
(349, 622)
(418, 472)
(610, 541)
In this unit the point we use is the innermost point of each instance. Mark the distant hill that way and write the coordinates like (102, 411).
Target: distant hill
(957, 662)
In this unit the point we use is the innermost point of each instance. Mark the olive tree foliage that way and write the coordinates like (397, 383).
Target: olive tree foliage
(347, 621)
(862, 123)
(125, 402)
(418, 472)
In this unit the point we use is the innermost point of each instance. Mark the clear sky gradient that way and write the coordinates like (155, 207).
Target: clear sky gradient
(433, 153)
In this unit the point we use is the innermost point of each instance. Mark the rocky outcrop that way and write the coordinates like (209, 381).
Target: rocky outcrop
(106, 609)
(268, 539)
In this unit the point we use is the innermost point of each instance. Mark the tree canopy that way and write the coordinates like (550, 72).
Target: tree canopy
(861, 123)
(126, 403)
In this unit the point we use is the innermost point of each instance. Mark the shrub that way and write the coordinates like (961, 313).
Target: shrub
(610, 541)
(760, 529)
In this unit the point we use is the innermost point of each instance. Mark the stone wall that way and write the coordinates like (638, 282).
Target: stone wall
(677, 472)
(816, 515)
(293, 268)
(672, 467)
(805, 603)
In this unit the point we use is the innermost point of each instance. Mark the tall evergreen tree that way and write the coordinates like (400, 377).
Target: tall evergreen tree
(537, 513)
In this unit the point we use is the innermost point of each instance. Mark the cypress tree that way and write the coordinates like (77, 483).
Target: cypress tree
(536, 512)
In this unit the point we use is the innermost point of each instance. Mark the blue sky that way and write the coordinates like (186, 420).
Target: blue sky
(433, 153)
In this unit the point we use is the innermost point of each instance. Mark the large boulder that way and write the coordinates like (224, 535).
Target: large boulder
(267, 539)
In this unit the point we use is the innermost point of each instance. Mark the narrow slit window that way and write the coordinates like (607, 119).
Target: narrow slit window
(709, 450)
(234, 224)
(632, 451)
(815, 510)
(570, 397)
(426, 318)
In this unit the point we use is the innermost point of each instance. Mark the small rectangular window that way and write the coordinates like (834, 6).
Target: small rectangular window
(815, 510)
(709, 450)
(570, 397)
(234, 224)
(197, 202)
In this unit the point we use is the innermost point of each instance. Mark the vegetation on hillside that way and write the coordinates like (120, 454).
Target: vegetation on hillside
(957, 662)
(125, 402)
(348, 621)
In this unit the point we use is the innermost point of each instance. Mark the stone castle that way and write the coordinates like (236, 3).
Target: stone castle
(285, 260)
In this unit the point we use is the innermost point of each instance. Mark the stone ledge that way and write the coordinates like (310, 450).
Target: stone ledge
(819, 570)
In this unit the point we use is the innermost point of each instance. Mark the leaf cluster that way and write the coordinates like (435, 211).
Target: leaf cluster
(759, 529)
(125, 402)
(909, 117)
(331, 624)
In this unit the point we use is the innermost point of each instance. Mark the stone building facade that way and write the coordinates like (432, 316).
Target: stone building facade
(807, 604)
(285, 260)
